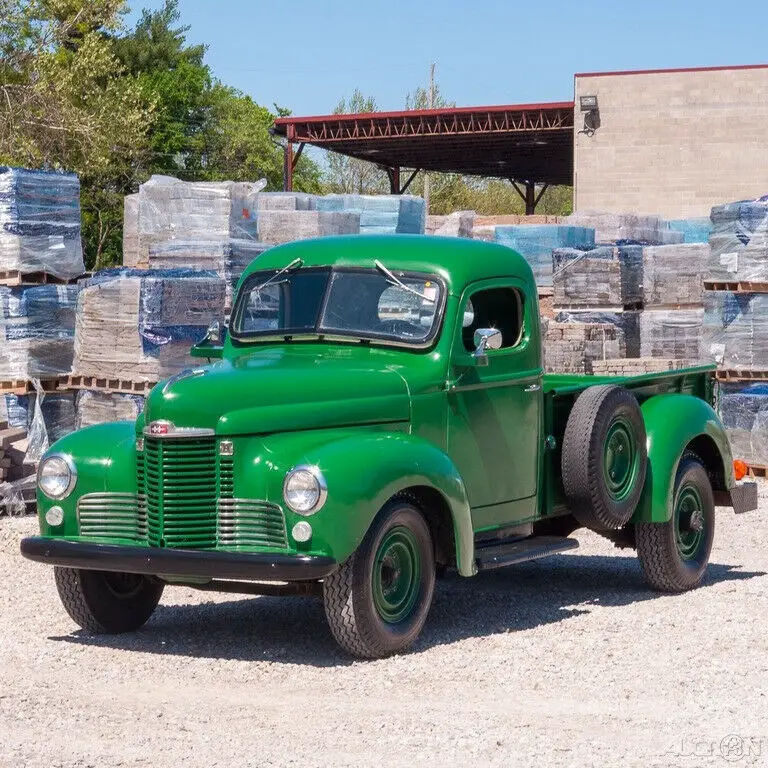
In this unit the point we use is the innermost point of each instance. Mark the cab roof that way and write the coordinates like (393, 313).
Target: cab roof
(459, 261)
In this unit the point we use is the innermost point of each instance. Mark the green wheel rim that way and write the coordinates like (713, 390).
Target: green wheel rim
(396, 575)
(687, 506)
(620, 460)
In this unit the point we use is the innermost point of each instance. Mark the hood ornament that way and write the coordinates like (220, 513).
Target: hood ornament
(187, 373)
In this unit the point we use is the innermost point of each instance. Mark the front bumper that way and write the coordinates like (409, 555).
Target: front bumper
(192, 563)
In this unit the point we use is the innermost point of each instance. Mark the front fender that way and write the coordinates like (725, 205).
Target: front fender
(672, 422)
(104, 456)
(362, 472)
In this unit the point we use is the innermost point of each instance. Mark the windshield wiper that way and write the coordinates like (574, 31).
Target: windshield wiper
(293, 265)
(400, 284)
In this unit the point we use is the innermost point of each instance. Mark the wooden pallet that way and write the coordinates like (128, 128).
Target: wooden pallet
(107, 385)
(742, 375)
(756, 470)
(545, 291)
(629, 307)
(736, 286)
(25, 386)
(13, 277)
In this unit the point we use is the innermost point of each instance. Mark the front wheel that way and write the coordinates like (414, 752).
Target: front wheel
(102, 602)
(674, 555)
(377, 601)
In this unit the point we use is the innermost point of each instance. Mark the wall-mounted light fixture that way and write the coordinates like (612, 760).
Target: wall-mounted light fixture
(591, 110)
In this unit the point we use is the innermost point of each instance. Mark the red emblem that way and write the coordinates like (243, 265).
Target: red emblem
(159, 428)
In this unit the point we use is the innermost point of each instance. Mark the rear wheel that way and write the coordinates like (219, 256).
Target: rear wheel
(107, 603)
(674, 555)
(377, 601)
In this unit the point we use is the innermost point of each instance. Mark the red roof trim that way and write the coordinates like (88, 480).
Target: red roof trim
(424, 112)
(670, 71)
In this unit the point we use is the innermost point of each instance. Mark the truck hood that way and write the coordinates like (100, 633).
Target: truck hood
(282, 388)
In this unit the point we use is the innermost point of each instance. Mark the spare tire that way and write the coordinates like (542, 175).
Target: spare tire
(604, 457)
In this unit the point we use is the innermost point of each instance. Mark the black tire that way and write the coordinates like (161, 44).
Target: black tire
(107, 603)
(673, 556)
(357, 624)
(604, 457)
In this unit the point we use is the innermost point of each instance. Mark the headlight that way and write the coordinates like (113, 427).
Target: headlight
(304, 490)
(56, 476)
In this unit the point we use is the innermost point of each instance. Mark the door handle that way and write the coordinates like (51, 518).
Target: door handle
(533, 388)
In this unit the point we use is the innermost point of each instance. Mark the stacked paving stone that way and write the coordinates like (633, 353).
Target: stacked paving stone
(139, 325)
(95, 407)
(744, 411)
(457, 224)
(637, 366)
(647, 282)
(575, 347)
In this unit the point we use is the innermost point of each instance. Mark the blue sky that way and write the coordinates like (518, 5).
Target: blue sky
(307, 55)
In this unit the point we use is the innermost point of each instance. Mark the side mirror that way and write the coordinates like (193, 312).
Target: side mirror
(485, 339)
(211, 345)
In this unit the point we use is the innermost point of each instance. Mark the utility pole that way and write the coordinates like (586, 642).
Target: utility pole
(430, 105)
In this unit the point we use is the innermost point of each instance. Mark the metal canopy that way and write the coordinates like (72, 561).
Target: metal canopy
(528, 143)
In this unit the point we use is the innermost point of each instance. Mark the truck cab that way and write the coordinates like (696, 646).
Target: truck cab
(376, 413)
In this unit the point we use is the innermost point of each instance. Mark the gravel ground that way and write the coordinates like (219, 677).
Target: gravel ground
(569, 661)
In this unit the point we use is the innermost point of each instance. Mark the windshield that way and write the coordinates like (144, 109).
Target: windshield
(360, 303)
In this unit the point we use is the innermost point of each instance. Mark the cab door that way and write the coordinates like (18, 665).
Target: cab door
(495, 410)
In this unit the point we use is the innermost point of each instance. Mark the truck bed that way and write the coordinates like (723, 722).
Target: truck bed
(561, 390)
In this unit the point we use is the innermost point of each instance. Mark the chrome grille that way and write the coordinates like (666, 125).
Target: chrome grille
(251, 523)
(180, 489)
(112, 515)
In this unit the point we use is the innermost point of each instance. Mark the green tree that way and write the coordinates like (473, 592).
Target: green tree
(62, 86)
(348, 174)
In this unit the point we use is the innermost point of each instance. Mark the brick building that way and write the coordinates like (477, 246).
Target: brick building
(672, 142)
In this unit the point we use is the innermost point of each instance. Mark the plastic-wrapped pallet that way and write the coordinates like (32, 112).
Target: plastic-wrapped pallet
(456, 224)
(170, 209)
(673, 275)
(735, 333)
(607, 276)
(744, 411)
(739, 241)
(93, 407)
(626, 228)
(573, 347)
(140, 325)
(671, 333)
(536, 243)
(228, 258)
(37, 329)
(380, 214)
(277, 227)
(627, 321)
(40, 222)
(694, 230)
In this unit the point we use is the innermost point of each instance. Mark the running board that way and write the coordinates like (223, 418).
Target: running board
(520, 551)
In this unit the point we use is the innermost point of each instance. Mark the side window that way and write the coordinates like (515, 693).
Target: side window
(500, 308)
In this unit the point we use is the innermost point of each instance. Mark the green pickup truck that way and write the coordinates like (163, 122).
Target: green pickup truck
(374, 414)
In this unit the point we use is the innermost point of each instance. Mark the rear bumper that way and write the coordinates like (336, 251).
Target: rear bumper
(152, 561)
(742, 497)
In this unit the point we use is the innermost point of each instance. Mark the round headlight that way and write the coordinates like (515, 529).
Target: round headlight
(304, 490)
(56, 476)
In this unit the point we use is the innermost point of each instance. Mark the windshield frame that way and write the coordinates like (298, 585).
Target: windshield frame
(338, 335)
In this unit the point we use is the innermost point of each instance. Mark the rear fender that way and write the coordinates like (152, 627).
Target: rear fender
(674, 423)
